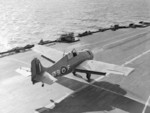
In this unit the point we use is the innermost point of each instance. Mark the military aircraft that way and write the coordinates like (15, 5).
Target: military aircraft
(65, 63)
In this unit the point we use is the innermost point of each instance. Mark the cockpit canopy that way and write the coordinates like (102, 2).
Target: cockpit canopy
(72, 54)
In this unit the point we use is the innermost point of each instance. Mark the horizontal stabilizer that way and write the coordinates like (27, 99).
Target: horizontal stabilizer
(24, 71)
(98, 66)
(45, 77)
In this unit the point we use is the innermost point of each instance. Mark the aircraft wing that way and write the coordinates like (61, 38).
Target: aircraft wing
(98, 67)
(49, 53)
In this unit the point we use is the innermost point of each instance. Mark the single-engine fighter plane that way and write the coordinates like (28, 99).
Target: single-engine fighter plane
(74, 61)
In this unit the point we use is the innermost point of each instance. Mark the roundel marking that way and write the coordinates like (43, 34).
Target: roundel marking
(63, 70)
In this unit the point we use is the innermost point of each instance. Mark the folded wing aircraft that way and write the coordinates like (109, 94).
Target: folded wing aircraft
(74, 61)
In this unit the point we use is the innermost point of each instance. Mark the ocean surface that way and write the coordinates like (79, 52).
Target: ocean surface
(28, 21)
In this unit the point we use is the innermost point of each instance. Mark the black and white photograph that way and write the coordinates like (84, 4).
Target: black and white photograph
(74, 56)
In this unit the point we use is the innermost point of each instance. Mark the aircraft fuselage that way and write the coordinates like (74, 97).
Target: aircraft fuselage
(69, 62)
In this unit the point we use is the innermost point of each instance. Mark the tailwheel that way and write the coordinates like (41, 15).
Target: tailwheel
(42, 84)
(88, 76)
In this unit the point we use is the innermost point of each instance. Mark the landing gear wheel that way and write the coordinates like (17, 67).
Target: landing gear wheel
(52, 101)
(74, 73)
(88, 76)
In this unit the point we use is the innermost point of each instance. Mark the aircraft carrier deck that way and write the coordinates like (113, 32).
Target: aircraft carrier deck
(109, 94)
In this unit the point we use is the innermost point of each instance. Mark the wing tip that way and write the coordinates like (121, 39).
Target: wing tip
(24, 71)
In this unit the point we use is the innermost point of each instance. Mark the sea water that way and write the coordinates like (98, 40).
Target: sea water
(28, 21)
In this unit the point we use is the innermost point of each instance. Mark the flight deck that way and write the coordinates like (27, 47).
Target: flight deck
(105, 94)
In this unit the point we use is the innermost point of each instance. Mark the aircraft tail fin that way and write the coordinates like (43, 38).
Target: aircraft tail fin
(39, 73)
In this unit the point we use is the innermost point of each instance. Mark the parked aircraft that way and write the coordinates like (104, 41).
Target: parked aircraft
(72, 62)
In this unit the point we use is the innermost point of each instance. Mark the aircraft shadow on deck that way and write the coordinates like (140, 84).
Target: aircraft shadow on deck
(98, 97)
